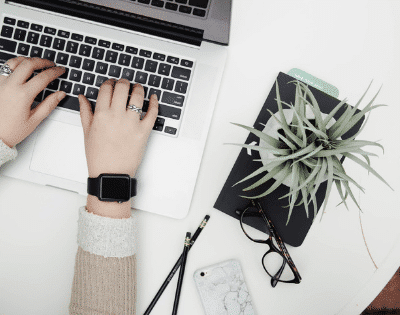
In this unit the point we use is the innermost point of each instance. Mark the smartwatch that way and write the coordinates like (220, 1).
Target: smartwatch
(112, 187)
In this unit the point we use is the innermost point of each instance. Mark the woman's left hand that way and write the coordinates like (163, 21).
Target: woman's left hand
(17, 119)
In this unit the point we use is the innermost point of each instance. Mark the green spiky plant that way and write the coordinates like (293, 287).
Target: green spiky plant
(308, 153)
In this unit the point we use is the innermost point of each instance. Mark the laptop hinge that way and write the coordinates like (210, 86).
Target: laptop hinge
(118, 18)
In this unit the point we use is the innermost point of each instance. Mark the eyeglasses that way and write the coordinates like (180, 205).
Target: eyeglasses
(277, 258)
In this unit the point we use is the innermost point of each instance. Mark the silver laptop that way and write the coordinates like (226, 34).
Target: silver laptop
(174, 48)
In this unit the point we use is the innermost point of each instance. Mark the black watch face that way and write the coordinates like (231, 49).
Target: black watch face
(115, 188)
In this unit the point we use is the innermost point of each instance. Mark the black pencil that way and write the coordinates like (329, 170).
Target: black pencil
(176, 266)
(181, 273)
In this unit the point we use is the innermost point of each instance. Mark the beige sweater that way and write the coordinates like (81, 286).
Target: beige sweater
(105, 265)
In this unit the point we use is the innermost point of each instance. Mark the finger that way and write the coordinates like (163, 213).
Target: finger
(105, 96)
(137, 98)
(151, 115)
(86, 113)
(13, 64)
(43, 79)
(24, 71)
(46, 106)
(120, 97)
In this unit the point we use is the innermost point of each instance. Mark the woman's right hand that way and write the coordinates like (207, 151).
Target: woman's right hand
(115, 137)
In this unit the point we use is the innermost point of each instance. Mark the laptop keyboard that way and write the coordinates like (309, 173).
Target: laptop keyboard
(90, 61)
(195, 8)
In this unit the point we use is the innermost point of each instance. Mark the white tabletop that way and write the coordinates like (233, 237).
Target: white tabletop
(346, 43)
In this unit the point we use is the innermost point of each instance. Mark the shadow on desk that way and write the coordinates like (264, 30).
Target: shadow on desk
(388, 301)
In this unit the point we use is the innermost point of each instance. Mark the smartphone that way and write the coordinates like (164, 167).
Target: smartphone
(223, 290)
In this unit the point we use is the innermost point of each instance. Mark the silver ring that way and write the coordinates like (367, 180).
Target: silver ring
(135, 109)
(5, 70)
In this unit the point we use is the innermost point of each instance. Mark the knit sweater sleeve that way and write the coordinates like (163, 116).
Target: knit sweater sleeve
(105, 266)
(7, 153)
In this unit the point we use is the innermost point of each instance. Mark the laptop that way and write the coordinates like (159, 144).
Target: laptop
(174, 48)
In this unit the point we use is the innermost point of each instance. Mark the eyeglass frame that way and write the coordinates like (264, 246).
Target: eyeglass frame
(272, 248)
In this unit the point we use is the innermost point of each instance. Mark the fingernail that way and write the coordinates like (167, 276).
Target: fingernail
(61, 95)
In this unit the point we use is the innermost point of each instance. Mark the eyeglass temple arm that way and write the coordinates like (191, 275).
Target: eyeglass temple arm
(274, 279)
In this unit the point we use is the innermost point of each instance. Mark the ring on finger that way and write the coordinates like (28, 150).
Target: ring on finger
(135, 109)
(5, 70)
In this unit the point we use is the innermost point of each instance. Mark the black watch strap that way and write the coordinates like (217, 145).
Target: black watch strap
(93, 187)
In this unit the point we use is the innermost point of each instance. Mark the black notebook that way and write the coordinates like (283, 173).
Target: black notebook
(229, 199)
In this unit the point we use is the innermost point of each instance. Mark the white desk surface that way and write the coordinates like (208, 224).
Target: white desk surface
(346, 43)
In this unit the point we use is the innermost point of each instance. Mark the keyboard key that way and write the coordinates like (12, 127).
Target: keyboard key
(111, 56)
(98, 53)
(154, 80)
(199, 3)
(186, 63)
(168, 111)
(164, 69)
(167, 84)
(92, 93)
(65, 75)
(104, 43)
(5, 56)
(151, 66)
(137, 63)
(75, 61)
(128, 74)
(62, 59)
(145, 107)
(33, 38)
(118, 47)
(59, 44)
(90, 40)
(9, 21)
(171, 6)
(156, 92)
(181, 87)
(88, 64)
(36, 52)
(85, 50)
(66, 86)
(199, 12)
(185, 9)
(79, 89)
(53, 85)
(171, 59)
(170, 130)
(46, 41)
(144, 1)
(19, 34)
(7, 31)
(23, 24)
(173, 99)
(124, 60)
(72, 47)
(158, 127)
(77, 37)
(88, 78)
(7, 45)
(100, 80)
(75, 75)
(157, 3)
(115, 71)
(70, 102)
(101, 68)
(131, 50)
(157, 56)
(63, 34)
(181, 1)
(181, 73)
(49, 55)
(23, 49)
(145, 53)
(50, 30)
(141, 77)
(36, 27)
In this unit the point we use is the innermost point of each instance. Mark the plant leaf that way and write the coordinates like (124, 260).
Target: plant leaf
(267, 139)
(267, 177)
(259, 148)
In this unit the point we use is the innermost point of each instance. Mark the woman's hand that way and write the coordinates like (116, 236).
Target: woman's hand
(17, 120)
(115, 137)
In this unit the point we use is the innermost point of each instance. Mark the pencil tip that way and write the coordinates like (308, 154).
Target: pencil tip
(188, 234)
(207, 217)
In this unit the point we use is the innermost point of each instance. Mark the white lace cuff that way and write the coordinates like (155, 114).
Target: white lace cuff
(7, 153)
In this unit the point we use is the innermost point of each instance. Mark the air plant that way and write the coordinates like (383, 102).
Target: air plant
(309, 153)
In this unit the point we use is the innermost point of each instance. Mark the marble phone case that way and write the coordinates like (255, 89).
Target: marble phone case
(222, 289)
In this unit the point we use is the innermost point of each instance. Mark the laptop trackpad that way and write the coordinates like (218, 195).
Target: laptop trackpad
(60, 151)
